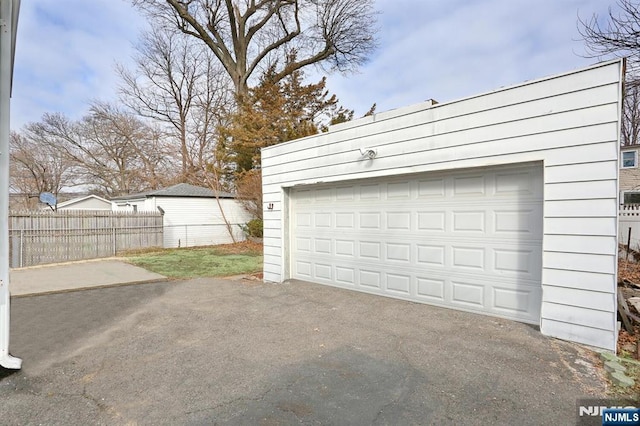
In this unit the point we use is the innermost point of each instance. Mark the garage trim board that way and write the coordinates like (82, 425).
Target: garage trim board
(503, 204)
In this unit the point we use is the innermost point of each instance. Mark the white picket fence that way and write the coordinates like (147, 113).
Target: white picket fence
(629, 225)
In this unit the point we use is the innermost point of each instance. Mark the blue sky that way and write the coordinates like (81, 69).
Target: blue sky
(445, 50)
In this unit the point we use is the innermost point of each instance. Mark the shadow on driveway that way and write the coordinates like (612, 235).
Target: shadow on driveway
(234, 352)
(45, 327)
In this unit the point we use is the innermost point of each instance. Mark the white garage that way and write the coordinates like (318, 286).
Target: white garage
(470, 240)
(502, 204)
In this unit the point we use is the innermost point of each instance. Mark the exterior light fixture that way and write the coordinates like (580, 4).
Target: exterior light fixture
(368, 154)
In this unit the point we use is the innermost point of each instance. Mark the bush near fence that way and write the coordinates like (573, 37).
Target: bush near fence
(40, 237)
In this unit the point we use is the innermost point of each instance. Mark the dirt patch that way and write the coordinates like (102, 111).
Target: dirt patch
(628, 271)
(628, 283)
(627, 347)
(242, 247)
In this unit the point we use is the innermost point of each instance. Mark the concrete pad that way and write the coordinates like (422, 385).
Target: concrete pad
(76, 276)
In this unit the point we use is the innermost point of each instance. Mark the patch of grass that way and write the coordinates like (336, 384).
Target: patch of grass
(214, 261)
(632, 369)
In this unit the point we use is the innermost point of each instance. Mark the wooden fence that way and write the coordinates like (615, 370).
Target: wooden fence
(40, 237)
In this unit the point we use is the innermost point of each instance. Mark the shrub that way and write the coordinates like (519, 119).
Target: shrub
(253, 228)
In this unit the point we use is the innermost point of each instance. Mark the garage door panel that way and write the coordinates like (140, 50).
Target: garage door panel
(518, 303)
(506, 222)
(434, 221)
(468, 258)
(502, 259)
(346, 248)
(468, 294)
(397, 252)
(515, 261)
(345, 220)
(369, 221)
(302, 244)
(466, 186)
(346, 275)
(398, 220)
(303, 269)
(399, 190)
(431, 255)
(398, 283)
(324, 194)
(464, 291)
(303, 220)
(431, 188)
(369, 278)
(469, 240)
(468, 221)
(322, 271)
(345, 193)
(370, 192)
(303, 196)
(323, 220)
(523, 183)
(322, 246)
(370, 250)
(518, 221)
(430, 289)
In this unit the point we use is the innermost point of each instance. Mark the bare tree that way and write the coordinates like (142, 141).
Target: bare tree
(618, 36)
(139, 149)
(114, 153)
(37, 168)
(177, 84)
(630, 133)
(213, 106)
(246, 35)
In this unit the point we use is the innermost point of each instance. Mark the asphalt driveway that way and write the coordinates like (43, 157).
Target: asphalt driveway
(238, 352)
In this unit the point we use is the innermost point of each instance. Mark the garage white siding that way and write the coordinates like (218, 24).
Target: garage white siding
(567, 123)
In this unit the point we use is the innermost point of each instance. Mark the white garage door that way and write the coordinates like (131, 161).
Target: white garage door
(469, 240)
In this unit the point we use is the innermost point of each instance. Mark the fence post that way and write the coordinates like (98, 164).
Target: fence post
(113, 233)
(628, 243)
(21, 246)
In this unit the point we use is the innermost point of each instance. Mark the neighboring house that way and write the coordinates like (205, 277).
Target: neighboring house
(88, 202)
(192, 214)
(503, 204)
(629, 183)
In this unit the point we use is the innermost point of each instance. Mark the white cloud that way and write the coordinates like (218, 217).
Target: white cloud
(66, 51)
(65, 55)
(448, 50)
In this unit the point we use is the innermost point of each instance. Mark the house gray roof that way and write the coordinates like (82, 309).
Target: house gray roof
(179, 190)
